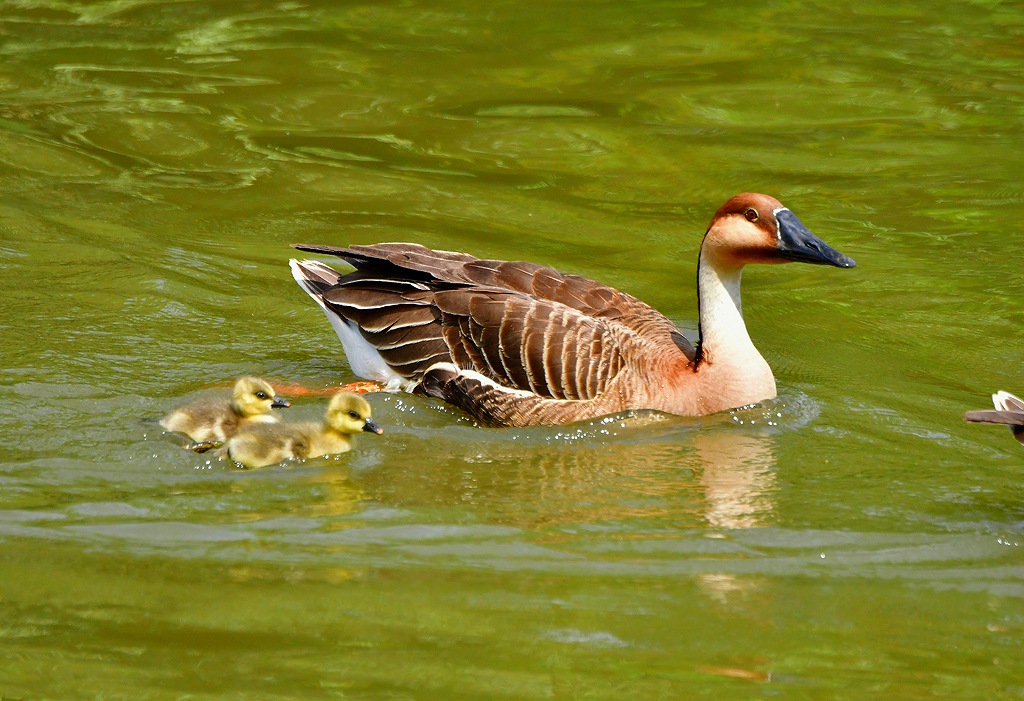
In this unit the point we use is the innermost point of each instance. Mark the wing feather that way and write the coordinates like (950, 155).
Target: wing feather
(523, 326)
(417, 264)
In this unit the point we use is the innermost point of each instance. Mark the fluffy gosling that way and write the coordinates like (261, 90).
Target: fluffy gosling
(211, 421)
(259, 445)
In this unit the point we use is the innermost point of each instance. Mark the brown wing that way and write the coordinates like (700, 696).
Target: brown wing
(493, 405)
(520, 342)
(538, 346)
(397, 318)
(415, 263)
(394, 316)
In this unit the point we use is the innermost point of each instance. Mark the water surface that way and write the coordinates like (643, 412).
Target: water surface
(851, 539)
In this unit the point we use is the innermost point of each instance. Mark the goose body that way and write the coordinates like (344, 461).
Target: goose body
(517, 344)
(1009, 410)
(211, 421)
(259, 445)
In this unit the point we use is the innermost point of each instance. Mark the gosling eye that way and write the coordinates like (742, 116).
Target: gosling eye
(751, 214)
(354, 415)
(262, 395)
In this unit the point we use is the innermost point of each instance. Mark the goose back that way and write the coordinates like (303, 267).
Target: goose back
(389, 263)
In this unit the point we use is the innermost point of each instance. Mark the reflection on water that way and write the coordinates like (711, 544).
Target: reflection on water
(642, 472)
(738, 477)
(653, 477)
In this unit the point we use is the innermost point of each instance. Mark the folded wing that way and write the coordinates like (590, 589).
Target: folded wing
(415, 263)
(522, 343)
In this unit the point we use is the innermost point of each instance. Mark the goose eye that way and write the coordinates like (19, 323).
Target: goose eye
(751, 214)
(262, 395)
(354, 415)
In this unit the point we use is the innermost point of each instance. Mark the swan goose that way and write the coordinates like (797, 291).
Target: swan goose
(518, 344)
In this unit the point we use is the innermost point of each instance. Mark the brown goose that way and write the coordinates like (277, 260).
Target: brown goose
(1009, 410)
(518, 344)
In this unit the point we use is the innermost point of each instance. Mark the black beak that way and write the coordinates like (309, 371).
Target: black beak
(280, 403)
(796, 242)
(371, 427)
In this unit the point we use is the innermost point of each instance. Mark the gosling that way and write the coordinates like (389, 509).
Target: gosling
(210, 422)
(259, 445)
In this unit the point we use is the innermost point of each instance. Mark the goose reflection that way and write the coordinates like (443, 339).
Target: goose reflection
(667, 474)
(738, 478)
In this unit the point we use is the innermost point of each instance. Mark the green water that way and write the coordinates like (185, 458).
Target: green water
(853, 539)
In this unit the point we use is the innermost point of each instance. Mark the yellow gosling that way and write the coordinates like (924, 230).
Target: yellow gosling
(259, 445)
(211, 421)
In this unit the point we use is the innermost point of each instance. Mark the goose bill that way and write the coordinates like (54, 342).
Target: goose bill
(796, 242)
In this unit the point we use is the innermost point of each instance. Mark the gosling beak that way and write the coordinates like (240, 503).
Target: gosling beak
(280, 403)
(796, 242)
(371, 427)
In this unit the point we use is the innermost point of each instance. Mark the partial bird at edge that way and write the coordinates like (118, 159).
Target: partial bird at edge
(1009, 411)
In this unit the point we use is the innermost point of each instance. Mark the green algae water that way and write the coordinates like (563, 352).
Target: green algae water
(851, 539)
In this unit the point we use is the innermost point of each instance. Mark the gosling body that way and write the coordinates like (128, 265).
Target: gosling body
(211, 421)
(260, 445)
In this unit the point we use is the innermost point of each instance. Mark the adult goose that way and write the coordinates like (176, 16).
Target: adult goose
(1009, 410)
(519, 344)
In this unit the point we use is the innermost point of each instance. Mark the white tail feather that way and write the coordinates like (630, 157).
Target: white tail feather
(1004, 401)
(363, 358)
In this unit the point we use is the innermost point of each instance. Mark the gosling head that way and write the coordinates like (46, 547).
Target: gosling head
(756, 228)
(350, 414)
(253, 396)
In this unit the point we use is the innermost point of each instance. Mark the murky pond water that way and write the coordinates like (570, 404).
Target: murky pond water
(851, 539)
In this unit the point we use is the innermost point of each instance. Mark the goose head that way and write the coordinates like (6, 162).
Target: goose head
(253, 396)
(349, 414)
(755, 228)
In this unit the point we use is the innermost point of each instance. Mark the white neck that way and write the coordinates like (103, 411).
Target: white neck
(740, 370)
